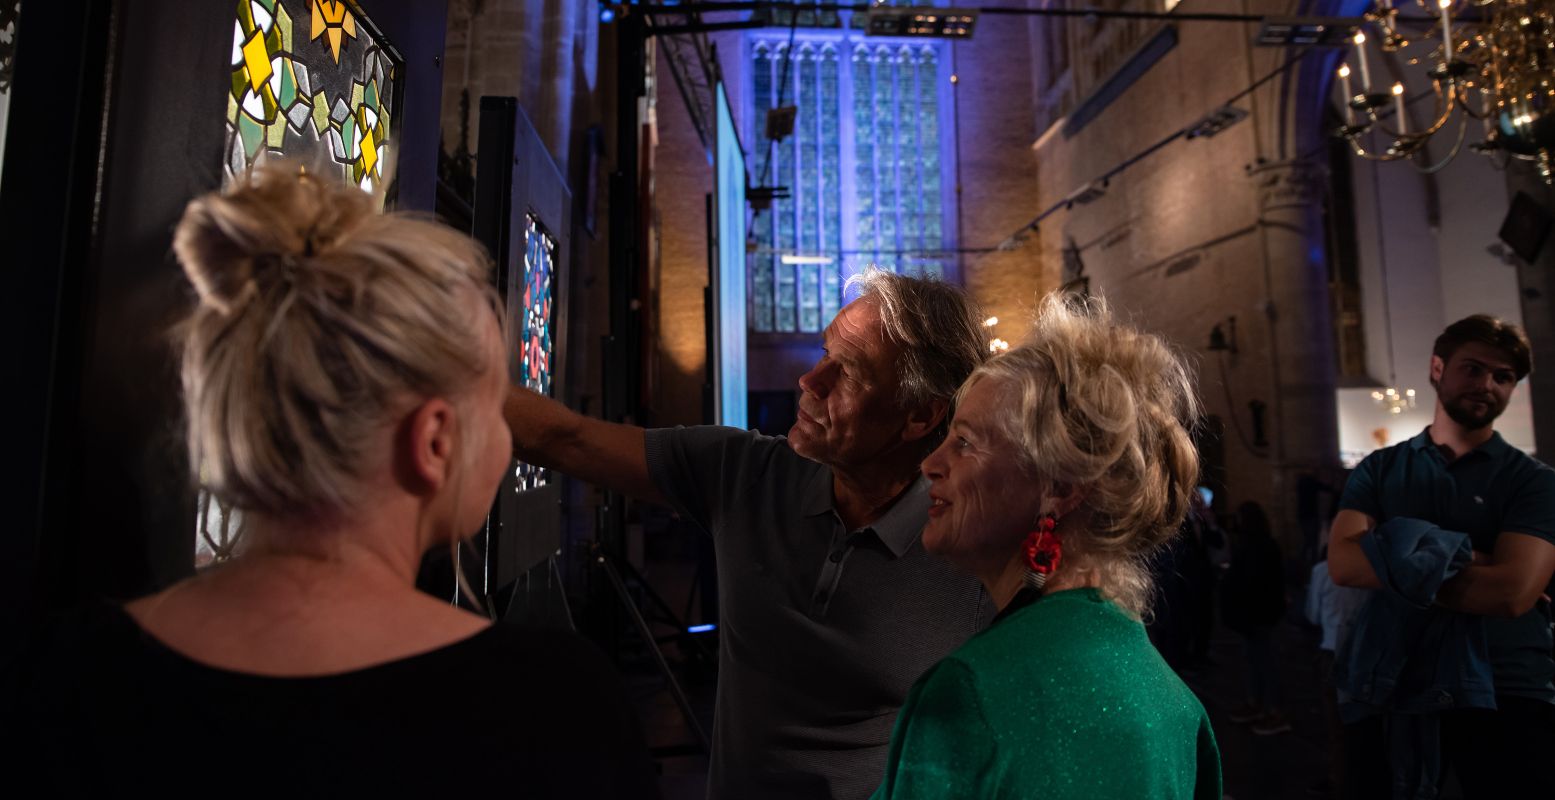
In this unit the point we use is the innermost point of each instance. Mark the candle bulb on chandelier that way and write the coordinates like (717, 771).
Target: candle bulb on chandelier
(1446, 6)
(1360, 61)
(1398, 107)
(1344, 82)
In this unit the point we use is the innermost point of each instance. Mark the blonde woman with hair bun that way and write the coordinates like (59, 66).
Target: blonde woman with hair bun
(343, 375)
(1068, 462)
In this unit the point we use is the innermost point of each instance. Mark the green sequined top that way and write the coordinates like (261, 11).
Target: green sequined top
(1062, 698)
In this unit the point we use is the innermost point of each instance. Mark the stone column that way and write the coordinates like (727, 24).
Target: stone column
(1536, 284)
(1303, 418)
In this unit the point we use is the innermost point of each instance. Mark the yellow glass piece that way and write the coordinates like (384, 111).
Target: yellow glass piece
(331, 19)
(369, 151)
(232, 110)
(257, 59)
(275, 134)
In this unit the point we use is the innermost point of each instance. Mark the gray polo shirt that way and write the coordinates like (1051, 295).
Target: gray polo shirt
(823, 630)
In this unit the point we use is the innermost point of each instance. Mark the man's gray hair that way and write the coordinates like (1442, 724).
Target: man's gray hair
(939, 328)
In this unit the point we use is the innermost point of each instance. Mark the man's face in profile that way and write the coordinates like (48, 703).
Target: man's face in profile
(1474, 384)
(848, 411)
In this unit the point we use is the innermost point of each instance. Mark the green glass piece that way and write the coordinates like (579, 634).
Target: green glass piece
(288, 93)
(269, 5)
(348, 136)
(383, 127)
(370, 95)
(232, 109)
(275, 134)
(356, 96)
(320, 113)
(239, 82)
(283, 24)
(271, 107)
(253, 136)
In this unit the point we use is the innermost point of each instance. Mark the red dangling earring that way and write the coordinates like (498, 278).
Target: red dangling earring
(1043, 552)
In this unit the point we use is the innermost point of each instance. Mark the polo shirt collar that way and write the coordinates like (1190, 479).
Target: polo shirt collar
(817, 495)
(901, 526)
(898, 528)
(1494, 447)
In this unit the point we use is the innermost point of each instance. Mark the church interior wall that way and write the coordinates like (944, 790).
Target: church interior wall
(1174, 242)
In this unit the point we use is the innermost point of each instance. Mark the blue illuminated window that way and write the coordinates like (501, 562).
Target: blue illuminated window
(864, 168)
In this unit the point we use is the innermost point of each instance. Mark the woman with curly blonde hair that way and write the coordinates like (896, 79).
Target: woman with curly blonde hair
(1068, 462)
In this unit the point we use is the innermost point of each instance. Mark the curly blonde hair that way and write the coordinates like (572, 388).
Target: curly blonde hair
(319, 320)
(1107, 409)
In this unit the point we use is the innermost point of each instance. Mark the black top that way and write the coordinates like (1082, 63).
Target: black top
(525, 712)
(823, 630)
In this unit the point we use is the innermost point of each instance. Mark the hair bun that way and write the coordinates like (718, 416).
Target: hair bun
(260, 231)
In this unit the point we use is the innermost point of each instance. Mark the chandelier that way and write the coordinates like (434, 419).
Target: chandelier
(1489, 61)
(1394, 400)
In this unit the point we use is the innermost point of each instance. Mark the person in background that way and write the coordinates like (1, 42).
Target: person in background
(1460, 486)
(1252, 603)
(1068, 462)
(1331, 607)
(1184, 573)
(343, 374)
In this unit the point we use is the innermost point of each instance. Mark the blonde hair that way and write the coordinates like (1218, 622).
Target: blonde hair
(318, 320)
(1107, 409)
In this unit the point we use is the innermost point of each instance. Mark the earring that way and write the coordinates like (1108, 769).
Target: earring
(1043, 552)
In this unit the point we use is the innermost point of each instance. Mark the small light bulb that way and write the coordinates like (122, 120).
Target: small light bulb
(1398, 88)
(1360, 38)
(1344, 70)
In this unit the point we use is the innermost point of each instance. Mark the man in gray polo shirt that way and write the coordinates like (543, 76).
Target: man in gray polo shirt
(830, 607)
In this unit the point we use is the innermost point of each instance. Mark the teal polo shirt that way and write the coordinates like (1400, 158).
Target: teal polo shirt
(1493, 489)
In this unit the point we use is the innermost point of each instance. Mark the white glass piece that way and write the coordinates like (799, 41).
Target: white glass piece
(262, 17)
(253, 105)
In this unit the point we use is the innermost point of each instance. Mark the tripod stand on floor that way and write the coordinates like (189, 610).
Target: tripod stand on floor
(613, 565)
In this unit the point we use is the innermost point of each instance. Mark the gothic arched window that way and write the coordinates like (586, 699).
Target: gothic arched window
(864, 167)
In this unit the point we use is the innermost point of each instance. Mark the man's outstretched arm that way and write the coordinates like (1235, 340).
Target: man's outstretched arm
(548, 434)
(1347, 563)
(1508, 584)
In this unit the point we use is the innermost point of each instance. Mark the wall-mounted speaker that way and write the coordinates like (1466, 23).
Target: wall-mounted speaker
(1526, 226)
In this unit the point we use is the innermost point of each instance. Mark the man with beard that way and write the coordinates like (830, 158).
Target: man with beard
(1461, 476)
(829, 606)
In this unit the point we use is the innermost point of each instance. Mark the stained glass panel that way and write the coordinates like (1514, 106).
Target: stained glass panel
(10, 14)
(538, 328)
(314, 80)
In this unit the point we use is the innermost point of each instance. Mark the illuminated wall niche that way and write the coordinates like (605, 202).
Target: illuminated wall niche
(313, 80)
(537, 334)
